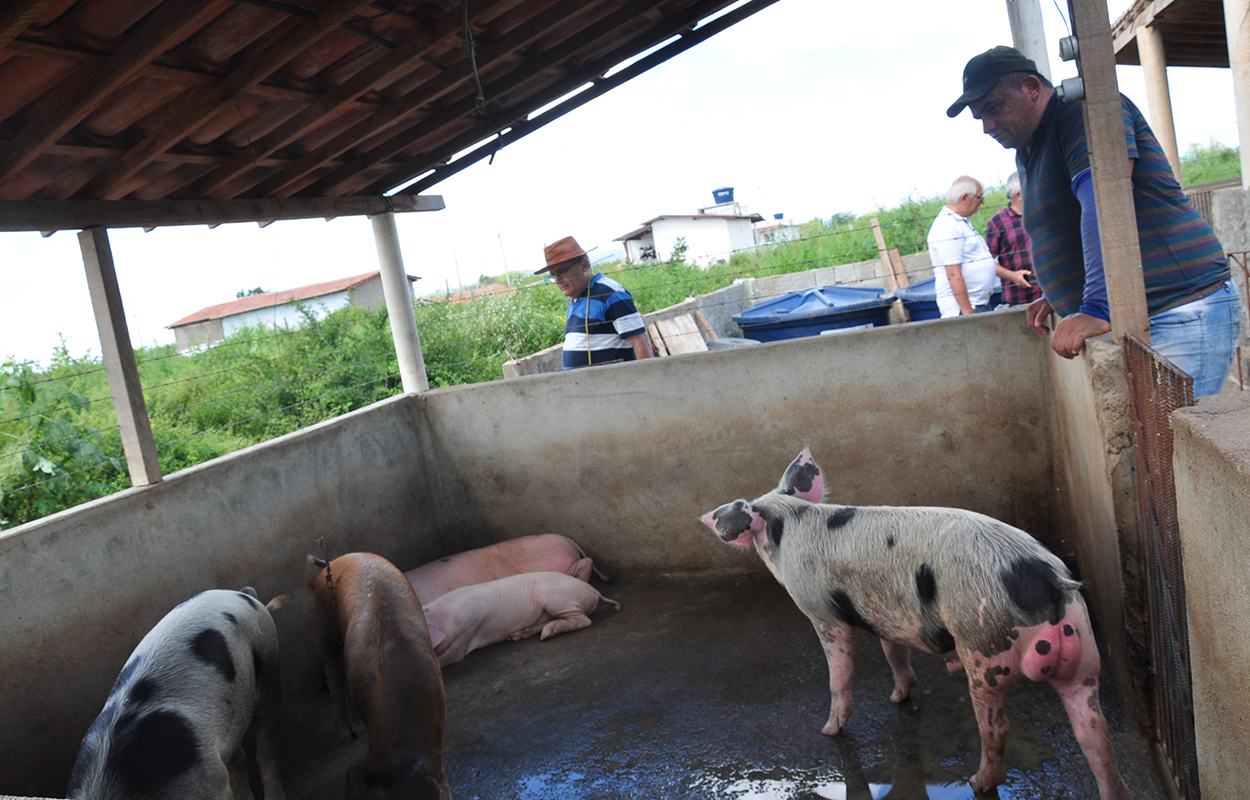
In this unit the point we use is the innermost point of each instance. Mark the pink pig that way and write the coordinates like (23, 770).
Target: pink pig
(983, 595)
(548, 552)
(513, 608)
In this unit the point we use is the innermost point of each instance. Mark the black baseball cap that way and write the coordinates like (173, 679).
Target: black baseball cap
(983, 72)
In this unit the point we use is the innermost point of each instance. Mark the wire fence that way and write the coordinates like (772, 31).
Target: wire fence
(60, 444)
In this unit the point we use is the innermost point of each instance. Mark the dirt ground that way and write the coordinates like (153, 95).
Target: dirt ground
(717, 688)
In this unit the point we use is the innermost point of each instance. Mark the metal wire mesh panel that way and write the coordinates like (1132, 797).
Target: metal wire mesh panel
(1156, 389)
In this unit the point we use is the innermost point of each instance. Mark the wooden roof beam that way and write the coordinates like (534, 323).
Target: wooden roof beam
(64, 215)
(286, 47)
(170, 23)
(587, 73)
(401, 109)
(17, 16)
(604, 27)
(397, 60)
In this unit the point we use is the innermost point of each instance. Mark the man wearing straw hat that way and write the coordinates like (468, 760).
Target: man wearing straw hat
(602, 326)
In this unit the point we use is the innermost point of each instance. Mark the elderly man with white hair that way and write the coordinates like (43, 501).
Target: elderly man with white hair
(1009, 243)
(965, 273)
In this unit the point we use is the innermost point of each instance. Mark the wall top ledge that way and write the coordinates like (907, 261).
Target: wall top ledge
(1223, 420)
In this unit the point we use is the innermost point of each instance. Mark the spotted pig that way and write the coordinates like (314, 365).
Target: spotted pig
(981, 594)
(173, 724)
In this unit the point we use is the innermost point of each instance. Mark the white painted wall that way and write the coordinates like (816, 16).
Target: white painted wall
(286, 315)
(708, 239)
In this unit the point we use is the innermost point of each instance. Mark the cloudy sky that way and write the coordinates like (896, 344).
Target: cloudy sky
(807, 109)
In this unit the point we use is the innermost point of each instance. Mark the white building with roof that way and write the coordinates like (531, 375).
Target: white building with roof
(710, 235)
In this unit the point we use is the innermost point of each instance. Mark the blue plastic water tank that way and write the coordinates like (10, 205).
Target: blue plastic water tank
(920, 299)
(811, 312)
(723, 195)
(779, 216)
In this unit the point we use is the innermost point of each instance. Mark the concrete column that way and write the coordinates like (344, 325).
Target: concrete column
(1237, 26)
(398, 293)
(119, 358)
(1027, 34)
(1158, 97)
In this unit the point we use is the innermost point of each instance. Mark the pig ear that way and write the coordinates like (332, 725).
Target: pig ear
(803, 479)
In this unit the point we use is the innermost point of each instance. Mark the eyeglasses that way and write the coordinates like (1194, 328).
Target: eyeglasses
(562, 271)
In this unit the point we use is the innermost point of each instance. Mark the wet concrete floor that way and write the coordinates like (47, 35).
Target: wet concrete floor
(717, 688)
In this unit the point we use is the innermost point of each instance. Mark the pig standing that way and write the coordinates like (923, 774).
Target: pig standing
(548, 552)
(513, 608)
(985, 596)
(173, 724)
(377, 652)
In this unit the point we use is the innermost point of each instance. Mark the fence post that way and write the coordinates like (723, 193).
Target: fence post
(119, 358)
(398, 293)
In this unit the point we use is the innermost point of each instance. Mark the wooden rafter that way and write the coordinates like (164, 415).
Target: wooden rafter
(17, 16)
(398, 60)
(61, 215)
(171, 22)
(400, 110)
(546, 60)
(287, 46)
(73, 55)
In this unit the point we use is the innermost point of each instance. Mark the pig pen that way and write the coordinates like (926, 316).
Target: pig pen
(709, 682)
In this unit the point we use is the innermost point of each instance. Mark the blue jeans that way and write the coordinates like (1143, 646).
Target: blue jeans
(1201, 337)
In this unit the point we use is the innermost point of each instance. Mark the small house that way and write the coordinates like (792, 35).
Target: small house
(283, 309)
(710, 235)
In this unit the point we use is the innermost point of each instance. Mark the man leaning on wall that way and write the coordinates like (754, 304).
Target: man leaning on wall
(1194, 310)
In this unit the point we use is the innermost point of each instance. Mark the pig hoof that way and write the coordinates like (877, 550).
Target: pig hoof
(902, 689)
(985, 780)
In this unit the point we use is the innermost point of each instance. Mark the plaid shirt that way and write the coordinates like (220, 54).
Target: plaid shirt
(1009, 243)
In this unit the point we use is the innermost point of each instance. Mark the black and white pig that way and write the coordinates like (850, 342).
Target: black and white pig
(173, 724)
(983, 595)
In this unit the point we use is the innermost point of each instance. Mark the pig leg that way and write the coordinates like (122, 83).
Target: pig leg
(566, 623)
(268, 713)
(582, 569)
(838, 641)
(988, 682)
(899, 657)
(240, 789)
(1084, 712)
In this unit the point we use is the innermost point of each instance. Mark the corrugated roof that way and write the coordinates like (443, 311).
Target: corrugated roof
(256, 99)
(1194, 32)
(269, 299)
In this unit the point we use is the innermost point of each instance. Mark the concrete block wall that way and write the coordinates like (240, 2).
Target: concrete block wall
(623, 458)
(1211, 459)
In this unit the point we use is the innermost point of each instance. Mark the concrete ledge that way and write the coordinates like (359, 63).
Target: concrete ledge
(1211, 458)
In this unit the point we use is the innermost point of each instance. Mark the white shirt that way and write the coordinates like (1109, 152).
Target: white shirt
(953, 240)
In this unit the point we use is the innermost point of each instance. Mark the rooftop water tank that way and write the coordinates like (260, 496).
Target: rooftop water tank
(723, 195)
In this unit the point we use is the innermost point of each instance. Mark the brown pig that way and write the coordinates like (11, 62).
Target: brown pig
(985, 596)
(547, 552)
(513, 608)
(380, 662)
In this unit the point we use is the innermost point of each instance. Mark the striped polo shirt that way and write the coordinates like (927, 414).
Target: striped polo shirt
(1182, 260)
(598, 322)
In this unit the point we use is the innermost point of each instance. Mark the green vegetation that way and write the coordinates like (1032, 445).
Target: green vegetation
(1210, 162)
(60, 444)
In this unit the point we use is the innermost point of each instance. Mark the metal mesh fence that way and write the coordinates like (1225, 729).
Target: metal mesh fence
(1156, 389)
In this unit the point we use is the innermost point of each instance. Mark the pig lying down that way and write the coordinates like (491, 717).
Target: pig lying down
(985, 596)
(513, 608)
(173, 724)
(548, 552)
(380, 663)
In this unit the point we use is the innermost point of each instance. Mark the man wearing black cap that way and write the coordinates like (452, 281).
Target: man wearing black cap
(1194, 309)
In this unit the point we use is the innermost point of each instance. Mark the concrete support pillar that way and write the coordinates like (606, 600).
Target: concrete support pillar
(1027, 34)
(119, 358)
(398, 293)
(1158, 97)
(1237, 27)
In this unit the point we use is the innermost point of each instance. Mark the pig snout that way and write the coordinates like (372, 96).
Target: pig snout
(735, 523)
